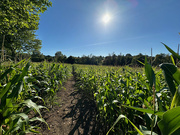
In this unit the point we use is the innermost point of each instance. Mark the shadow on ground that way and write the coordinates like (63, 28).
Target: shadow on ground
(83, 113)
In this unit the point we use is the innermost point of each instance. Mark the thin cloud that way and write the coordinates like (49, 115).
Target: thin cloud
(93, 44)
(139, 37)
(101, 43)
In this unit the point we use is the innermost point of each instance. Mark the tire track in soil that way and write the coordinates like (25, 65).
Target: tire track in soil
(75, 116)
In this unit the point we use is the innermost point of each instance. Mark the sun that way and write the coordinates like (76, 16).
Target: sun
(106, 18)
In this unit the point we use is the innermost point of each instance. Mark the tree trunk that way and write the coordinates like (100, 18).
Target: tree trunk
(2, 49)
(13, 54)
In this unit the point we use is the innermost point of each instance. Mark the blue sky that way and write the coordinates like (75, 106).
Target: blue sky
(75, 27)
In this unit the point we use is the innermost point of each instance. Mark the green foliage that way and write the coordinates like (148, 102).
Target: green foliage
(17, 15)
(18, 22)
(13, 104)
(120, 117)
(170, 121)
(59, 57)
(22, 92)
(171, 74)
(112, 88)
(148, 100)
(149, 73)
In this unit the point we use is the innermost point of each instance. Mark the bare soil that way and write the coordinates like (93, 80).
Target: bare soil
(73, 114)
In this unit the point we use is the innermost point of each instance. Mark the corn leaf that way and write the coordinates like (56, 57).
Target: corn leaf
(145, 131)
(5, 90)
(171, 74)
(176, 99)
(159, 114)
(149, 73)
(33, 105)
(24, 72)
(120, 117)
(172, 60)
(23, 115)
(170, 121)
(16, 91)
(39, 119)
(8, 71)
(171, 51)
(8, 107)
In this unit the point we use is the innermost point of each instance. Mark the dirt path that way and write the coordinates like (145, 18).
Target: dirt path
(74, 114)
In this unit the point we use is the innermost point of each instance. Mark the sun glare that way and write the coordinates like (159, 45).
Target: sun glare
(106, 18)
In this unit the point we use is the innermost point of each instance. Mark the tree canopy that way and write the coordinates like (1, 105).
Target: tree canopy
(21, 14)
(19, 19)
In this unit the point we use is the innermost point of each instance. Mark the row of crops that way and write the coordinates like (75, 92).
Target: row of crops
(129, 100)
(25, 90)
(134, 101)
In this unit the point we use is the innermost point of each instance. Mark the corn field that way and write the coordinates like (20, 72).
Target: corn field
(24, 88)
(128, 100)
(134, 101)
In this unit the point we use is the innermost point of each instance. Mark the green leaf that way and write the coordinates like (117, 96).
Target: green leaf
(39, 119)
(33, 105)
(160, 105)
(171, 51)
(8, 107)
(140, 62)
(159, 114)
(5, 90)
(177, 132)
(172, 60)
(149, 73)
(24, 72)
(120, 117)
(23, 115)
(8, 71)
(13, 126)
(176, 99)
(38, 97)
(147, 105)
(170, 121)
(19, 63)
(171, 73)
(145, 131)
(33, 131)
(140, 109)
(16, 91)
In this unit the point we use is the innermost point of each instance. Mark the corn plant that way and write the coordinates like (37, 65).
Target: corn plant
(48, 79)
(22, 87)
(113, 87)
(141, 97)
(165, 116)
(14, 106)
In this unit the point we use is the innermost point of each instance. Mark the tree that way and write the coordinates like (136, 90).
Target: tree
(49, 58)
(37, 56)
(70, 59)
(22, 42)
(114, 59)
(21, 14)
(128, 59)
(135, 61)
(161, 58)
(59, 57)
(17, 17)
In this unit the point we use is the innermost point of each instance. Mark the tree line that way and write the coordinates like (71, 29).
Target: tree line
(111, 59)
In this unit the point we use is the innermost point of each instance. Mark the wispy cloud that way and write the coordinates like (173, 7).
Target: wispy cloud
(138, 37)
(143, 36)
(87, 45)
(100, 43)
